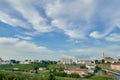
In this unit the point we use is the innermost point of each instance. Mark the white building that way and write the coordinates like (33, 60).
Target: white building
(24, 62)
(115, 66)
(91, 67)
(77, 70)
(83, 62)
(42, 68)
(66, 60)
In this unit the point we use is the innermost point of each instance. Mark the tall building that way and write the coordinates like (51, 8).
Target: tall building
(66, 60)
(103, 55)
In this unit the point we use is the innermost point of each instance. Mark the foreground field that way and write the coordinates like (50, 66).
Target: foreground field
(20, 76)
(52, 72)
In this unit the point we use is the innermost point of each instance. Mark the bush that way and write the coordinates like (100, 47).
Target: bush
(51, 77)
(97, 69)
(74, 75)
(61, 74)
(83, 66)
(104, 72)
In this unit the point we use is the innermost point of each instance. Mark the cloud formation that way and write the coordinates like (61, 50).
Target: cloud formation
(85, 22)
(114, 37)
(77, 19)
(16, 48)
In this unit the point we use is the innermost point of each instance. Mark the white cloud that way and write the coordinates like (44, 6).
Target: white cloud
(8, 40)
(16, 48)
(67, 16)
(95, 35)
(30, 13)
(98, 35)
(6, 18)
(114, 37)
(96, 52)
(21, 49)
(75, 18)
(23, 37)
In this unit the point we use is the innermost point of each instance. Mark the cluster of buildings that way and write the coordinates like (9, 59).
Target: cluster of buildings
(76, 70)
(89, 65)
(115, 64)
(108, 59)
(4, 61)
(89, 68)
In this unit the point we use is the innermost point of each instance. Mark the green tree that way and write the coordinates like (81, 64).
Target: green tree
(61, 74)
(103, 61)
(14, 61)
(104, 72)
(36, 69)
(97, 62)
(97, 69)
(118, 59)
(83, 66)
(51, 77)
(74, 75)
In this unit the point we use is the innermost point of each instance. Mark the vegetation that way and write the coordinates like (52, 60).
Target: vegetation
(104, 72)
(118, 59)
(74, 75)
(83, 66)
(97, 68)
(53, 72)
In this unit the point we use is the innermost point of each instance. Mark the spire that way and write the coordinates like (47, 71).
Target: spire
(103, 55)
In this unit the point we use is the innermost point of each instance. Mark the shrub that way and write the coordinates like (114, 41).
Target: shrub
(74, 75)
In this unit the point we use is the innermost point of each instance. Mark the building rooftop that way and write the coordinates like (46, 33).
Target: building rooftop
(116, 63)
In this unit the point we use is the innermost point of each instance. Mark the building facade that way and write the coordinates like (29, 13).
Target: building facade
(77, 70)
(83, 61)
(24, 62)
(66, 60)
(115, 66)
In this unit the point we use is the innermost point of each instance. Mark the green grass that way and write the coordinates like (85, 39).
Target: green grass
(24, 66)
(100, 78)
(7, 66)
(92, 78)
(20, 66)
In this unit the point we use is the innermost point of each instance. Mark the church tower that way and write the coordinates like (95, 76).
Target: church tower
(103, 55)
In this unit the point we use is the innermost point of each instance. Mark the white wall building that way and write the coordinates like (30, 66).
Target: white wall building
(115, 66)
(91, 67)
(24, 62)
(77, 70)
(83, 62)
(66, 60)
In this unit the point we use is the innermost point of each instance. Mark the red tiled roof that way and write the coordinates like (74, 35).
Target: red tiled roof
(108, 58)
(116, 63)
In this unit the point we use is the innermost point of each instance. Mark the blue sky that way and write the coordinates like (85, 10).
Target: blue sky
(51, 29)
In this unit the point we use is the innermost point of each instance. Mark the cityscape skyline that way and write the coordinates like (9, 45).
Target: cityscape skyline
(47, 29)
